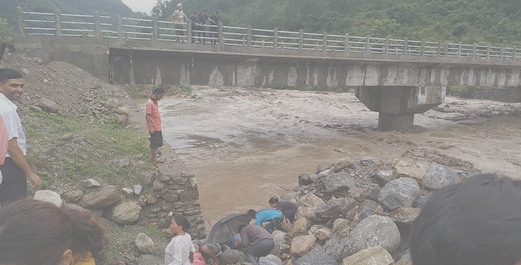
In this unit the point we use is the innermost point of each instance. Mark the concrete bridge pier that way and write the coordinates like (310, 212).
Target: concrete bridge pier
(398, 104)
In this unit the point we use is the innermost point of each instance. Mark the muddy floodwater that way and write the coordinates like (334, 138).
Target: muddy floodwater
(245, 145)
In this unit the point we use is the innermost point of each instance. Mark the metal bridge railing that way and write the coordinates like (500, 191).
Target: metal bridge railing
(74, 25)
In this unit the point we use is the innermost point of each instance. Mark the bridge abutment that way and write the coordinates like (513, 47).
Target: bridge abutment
(398, 104)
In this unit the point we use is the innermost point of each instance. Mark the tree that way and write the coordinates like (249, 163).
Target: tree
(6, 32)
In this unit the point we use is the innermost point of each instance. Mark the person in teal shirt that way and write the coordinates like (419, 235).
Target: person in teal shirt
(272, 216)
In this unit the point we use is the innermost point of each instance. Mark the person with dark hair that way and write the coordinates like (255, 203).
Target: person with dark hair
(475, 222)
(208, 251)
(273, 217)
(196, 27)
(35, 232)
(214, 22)
(180, 248)
(15, 169)
(153, 124)
(202, 29)
(259, 241)
(288, 209)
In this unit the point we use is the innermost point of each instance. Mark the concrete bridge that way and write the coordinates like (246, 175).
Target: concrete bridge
(397, 78)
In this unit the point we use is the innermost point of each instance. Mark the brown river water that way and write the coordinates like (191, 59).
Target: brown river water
(246, 145)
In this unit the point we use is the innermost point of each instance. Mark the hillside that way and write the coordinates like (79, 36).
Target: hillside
(480, 21)
(103, 7)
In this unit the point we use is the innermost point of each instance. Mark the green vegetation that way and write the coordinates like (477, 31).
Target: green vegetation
(6, 32)
(479, 21)
(459, 91)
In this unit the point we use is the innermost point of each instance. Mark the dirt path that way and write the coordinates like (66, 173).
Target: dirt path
(246, 145)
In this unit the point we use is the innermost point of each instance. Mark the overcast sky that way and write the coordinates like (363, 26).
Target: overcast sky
(140, 5)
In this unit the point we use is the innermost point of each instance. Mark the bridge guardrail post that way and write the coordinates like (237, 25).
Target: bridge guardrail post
(386, 47)
(301, 40)
(439, 49)
(275, 38)
(446, 49)
(474, 48)
(459, 49)
(324, 42)
(189, 33)
(423, 48)
(346, 45)
(58, 24)
(97, 28)
(368, 44)
(488, 52)
(20, 21)
(514, 51)
(405, 46)
(155, 29)
(220, 36)
(501, 53)
(120, 27)
(248, 36)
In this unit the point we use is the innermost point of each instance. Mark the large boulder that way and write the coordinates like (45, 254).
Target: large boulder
(341, 227)
(49, 196)
(398, 193)
(126, 212)
(231, 256)
(144, 243)
(343, 163)
(337, 182)
(321, 232)
(370, 256)
(301, 245)
(48, 105)
(438, 176)
(403, 171)
(307, 206)
(301, 227)
(101, 198)
(323, 166)
(366, 209)
(335, 207)
(270, 260)
(373, 231)
(316, 256)
(280, 240)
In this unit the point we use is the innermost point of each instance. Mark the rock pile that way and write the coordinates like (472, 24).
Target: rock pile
(358, 212)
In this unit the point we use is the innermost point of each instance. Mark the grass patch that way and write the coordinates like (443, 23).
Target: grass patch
(459, 91)
(80, 169)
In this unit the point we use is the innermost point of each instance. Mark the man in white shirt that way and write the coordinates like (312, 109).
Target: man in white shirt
(178, 19)
(15, 169)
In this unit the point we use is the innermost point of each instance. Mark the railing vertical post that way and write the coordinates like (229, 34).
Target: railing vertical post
(120, 27)
(20, 21)
(446, 49)
(155, 29)
(488, 52)
(459, 49)
(368, 44)
(189, 32)
(514, 51)
(422, 53)
(58, 24)
(248, 36)
(439, 48)
(275, 38)
(346, 45)
(300, 40)
(324, 42)
(501, 53)
(221, 36)
(386, 46)
(97, 27)
(405, 46)
(474, 48)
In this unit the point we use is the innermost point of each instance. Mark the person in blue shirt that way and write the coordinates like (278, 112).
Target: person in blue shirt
(272, 216)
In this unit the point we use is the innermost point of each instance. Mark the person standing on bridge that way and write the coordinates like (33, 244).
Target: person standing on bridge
(178, 20)
(153, 124)
(15, 170)
(202, 29)
(214, 22)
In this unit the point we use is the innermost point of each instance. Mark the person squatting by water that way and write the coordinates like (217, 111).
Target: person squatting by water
(15, 169)
(153, 124)
(259, 241)
(180, 249)
(475, 222)
(288, 209)
(273, 217)
(35, 232)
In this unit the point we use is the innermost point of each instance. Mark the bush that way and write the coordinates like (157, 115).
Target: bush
(6, 32)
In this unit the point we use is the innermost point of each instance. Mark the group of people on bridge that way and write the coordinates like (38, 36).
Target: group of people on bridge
(198, 22)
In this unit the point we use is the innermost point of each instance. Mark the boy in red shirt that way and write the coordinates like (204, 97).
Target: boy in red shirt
(153, 124)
